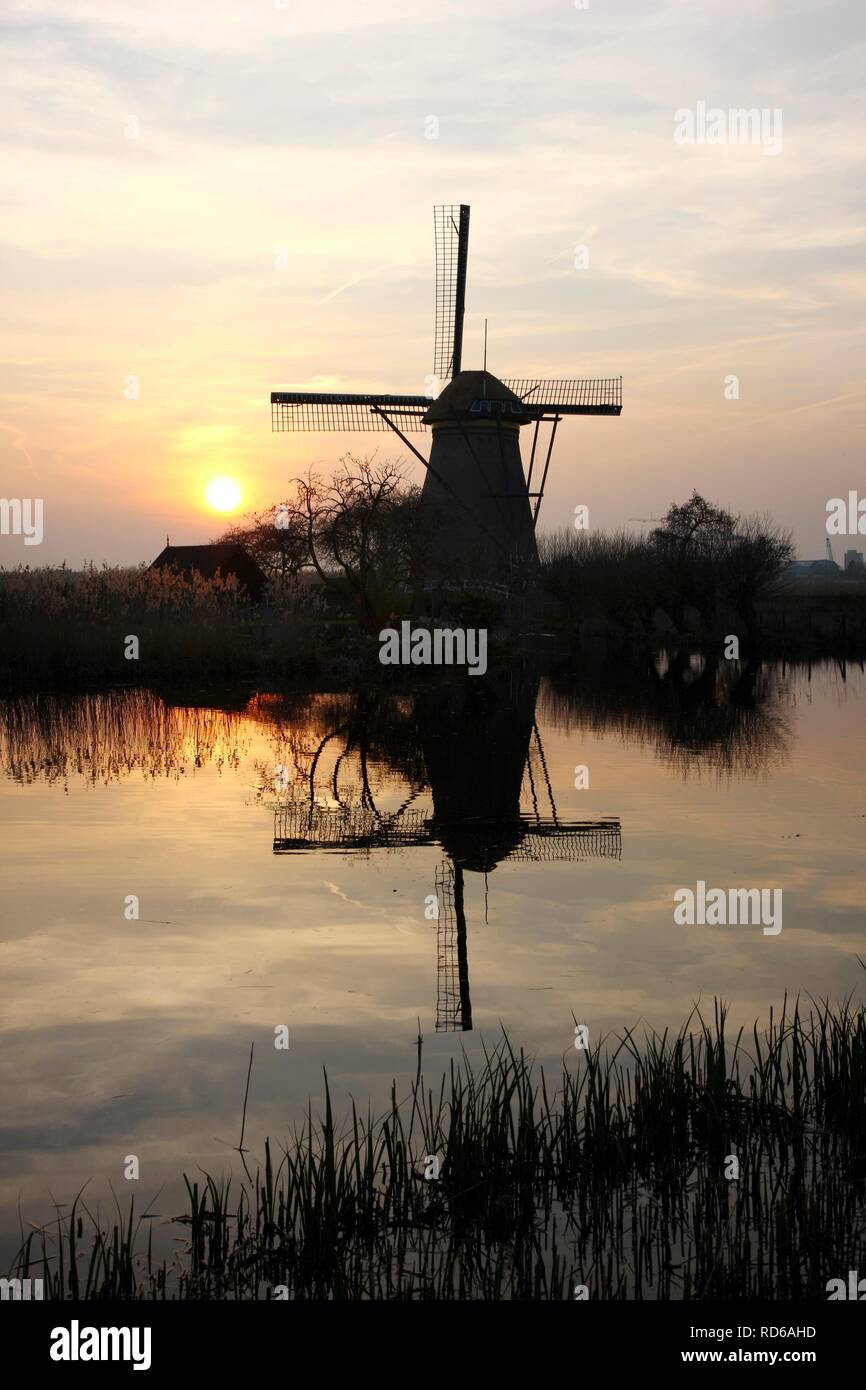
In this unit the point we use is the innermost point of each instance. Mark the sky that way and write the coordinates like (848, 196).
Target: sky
(203, 202)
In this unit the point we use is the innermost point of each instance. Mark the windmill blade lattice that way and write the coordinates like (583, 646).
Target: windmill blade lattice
(572, 396)
(451, 231)
(329, 412)
(294, 411)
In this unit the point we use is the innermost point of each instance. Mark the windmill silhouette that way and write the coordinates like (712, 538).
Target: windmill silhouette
(477, 818)
(482, 509)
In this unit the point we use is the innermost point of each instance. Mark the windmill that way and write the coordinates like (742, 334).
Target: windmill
(482, 507)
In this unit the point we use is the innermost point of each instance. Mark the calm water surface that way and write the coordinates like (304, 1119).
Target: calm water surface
(288, 854)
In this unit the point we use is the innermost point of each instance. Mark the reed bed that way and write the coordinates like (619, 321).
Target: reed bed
(61, 628)
(618, 585)
(614, 1179)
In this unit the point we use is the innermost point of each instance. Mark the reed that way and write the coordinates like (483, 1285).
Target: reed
(613, 1178)
(617, 585)
(61, 628)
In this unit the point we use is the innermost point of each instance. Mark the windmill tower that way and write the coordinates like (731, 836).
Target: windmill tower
(482, 508)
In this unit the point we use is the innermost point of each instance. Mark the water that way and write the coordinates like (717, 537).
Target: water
(287, 854)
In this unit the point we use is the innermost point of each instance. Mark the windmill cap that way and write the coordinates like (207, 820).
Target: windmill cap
(467, 387)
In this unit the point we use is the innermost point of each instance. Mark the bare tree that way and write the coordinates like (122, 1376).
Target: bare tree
(275, 538)
(359, 530)
(695, 526)
(708, 554)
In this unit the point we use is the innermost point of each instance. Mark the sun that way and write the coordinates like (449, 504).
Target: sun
(223, 494)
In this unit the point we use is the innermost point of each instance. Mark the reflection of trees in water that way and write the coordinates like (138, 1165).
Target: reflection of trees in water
(108, 736)
(332, 745)
(702, 714)
(729, 719)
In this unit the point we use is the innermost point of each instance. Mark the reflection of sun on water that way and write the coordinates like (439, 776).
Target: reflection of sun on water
(223, 494)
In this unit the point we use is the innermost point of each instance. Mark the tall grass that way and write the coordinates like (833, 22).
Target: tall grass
(59, 627)
(613, 1178)
(621, 584)
(602, 576)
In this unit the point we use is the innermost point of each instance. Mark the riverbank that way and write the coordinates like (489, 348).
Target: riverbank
(115, 627)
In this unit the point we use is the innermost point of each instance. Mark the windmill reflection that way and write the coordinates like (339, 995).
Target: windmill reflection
(479, 758)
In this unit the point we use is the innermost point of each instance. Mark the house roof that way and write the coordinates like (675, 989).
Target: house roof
(207, 559)
(228, 557)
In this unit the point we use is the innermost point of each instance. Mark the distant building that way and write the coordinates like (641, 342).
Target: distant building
(212, 560)
(814, 569)
(853, 560)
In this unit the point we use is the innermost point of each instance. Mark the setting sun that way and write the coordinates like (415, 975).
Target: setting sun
(223, 494)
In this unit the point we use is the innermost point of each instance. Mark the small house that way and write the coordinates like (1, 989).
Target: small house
(210, 561)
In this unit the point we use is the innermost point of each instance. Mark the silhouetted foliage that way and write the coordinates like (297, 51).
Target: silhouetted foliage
(695, 527)
(701, 558)
(274, 537)
(360, 530)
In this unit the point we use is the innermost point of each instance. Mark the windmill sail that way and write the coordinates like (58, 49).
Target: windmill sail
(453, 1000)
(572, 396)
(451, 232)
(306, 410)
(539, 400)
